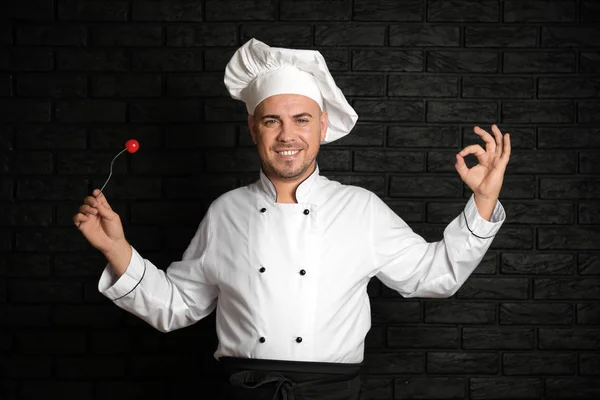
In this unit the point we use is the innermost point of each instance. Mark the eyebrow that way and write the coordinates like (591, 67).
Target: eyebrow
(273, 116)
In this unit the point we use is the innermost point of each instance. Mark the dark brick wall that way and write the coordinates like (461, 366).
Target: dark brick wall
(80, 77)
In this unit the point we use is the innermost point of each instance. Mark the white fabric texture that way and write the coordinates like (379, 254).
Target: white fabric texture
(282, 271)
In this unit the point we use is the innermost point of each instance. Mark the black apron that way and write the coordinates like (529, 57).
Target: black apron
(255, 379)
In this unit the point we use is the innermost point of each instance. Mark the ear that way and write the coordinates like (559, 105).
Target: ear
(251, 127)
(324, 125)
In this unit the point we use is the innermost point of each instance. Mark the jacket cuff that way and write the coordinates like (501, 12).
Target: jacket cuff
(479, 226)
(115, 287)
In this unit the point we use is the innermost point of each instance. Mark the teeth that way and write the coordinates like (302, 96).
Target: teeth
(288, 153)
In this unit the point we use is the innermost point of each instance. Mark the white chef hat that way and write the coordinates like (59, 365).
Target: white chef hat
(257, 71)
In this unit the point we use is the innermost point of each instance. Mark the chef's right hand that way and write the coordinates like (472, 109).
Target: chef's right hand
(100, 225)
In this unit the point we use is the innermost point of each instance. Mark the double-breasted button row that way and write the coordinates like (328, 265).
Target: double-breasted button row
(263, 269)
(262, 339)
(306, 211)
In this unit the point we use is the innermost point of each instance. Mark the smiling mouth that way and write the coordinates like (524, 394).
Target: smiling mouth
(288, 152)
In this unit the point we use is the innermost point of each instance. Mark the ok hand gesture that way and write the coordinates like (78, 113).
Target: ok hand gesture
(485, 179)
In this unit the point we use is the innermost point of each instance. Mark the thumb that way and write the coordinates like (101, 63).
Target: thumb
(461, 167)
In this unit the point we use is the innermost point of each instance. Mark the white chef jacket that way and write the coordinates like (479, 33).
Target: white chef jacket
(289, 281)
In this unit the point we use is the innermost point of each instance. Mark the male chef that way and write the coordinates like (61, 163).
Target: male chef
(285, 261)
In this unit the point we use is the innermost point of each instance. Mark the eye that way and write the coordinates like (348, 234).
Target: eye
(269, 122)
(302, 120)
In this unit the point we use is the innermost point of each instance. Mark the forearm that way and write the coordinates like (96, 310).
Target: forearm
(485, 207)
(119, 257)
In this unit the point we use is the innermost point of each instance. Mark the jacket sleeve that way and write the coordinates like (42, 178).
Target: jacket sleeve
(169, 300)
(408, 264)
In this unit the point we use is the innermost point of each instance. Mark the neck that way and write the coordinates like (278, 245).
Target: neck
(286, 189)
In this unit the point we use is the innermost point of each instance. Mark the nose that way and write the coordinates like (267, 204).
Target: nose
(286, 133)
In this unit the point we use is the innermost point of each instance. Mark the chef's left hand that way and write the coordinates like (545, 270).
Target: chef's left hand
(485, 178)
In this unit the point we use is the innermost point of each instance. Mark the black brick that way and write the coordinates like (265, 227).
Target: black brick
(201, 35)
(534, 264)
(388, 161)
(538, 61)
(241, 10)
(462, 363)
(462, 61)
(570, 188)
(126, 86)
(442, 312)
(535, 111)
(37, 10)
(500, 36)
(388, 10)
(463, 10)
(493, 288)
(390, 110)
(166, 60)
(587, 112)
(440, 111)
(589, 213)
(428, 35)
(92, 60)
(394, 363)
(563, 36)
(50, 137)
(589, 264)
(588, 314)
(590, 364)
(24, 110)
(572, 388)
(588, 63)
(582, 238)
(30, 59)
(90, 10)
(566, 288)
(318, 10)
(44, 291)
(425, 136)
(51, 35)
(361, 85)
(498, 338)
(197, 85)
(539, 364)
(395, 312)
(422, 86)
(568, 137)
(90, 111)
(536, 314)
(588, 162)
(166, 111)
(497, 87)
(25, 163)
(387, 60)
(166, 10)
(421, 337)
(568, 338)
(279, 35)
(539, 11)
(568, 87)
(44, 85)
(350, 35)
(126, 35)
(505, 388)
(334, 160)
(424, 186)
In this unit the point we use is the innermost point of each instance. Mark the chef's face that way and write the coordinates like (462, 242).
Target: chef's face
(288, 130)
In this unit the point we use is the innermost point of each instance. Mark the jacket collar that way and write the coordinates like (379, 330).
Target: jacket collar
(303, 191)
